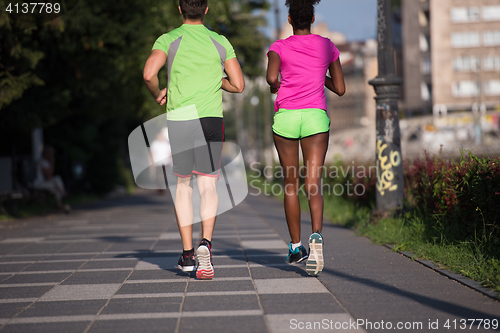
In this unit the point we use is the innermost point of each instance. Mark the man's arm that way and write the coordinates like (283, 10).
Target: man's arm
(273, 71)
(336, 82)
(153, 65)
(234, 83)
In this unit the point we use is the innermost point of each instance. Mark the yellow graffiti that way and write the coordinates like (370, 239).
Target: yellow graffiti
(385, 175)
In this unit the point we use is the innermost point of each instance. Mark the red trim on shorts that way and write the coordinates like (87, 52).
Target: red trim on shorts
(182, 176)
(205, 174)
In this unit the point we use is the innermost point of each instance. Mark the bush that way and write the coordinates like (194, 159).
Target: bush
(465, 194)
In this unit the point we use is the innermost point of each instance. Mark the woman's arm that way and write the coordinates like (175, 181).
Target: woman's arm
(273, 71)
(234, 83)
(336, 82)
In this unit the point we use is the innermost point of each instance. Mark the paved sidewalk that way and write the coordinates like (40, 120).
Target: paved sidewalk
(110, 268)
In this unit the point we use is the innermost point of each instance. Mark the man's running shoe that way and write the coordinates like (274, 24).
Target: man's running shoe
(205, 268)
(315, 262)
(297, 255)
(186, 262)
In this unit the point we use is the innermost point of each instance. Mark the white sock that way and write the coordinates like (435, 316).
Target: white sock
(296, 245)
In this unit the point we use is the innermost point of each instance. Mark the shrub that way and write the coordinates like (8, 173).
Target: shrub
(466, 193)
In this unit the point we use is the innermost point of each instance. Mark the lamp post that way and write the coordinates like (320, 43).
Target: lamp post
(390, 182)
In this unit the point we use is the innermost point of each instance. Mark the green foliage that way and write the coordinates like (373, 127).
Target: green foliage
(17, 60)
(465, 193)
(79, 77)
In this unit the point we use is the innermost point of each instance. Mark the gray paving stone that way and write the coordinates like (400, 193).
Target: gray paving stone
(42, 248)
(150, 288)
(23, 292)
(266, 251)
(268, 259)
(222, 302)
(240, 324)
(164, 325)
(131, 246)
(143, 305)
(284, 323)
(300, 303)
(69, 327)
(121, 263)
(63, 308)
(228, 252)
(265, 244)
(221, 286)
(160, 274)
(290, 286)
(8, 310)
(160, 263)
(80, 292)
(171, 244)
(231, 272)
(85, 247)
(69, 256)
(12, 267)
(279, 272)
(10, 248)
(98, 277)
(35, 278)
(54, 266)
(228, 260)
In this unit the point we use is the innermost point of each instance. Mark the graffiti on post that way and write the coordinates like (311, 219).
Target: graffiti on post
(385, 174)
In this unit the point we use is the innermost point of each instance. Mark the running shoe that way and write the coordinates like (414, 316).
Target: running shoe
(205, 268)
(297, 255)
(315, 262)
(186, 262)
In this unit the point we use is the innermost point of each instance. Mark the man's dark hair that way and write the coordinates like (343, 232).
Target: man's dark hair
(301, 12)
(193, 9)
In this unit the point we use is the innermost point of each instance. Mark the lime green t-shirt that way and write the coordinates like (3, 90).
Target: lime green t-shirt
(195, 62)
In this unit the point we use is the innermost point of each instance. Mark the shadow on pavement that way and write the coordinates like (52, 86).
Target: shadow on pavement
(453, 309)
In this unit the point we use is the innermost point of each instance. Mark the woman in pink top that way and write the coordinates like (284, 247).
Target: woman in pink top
(303, 60)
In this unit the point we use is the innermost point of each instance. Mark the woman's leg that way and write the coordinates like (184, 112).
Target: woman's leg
(288, 151)
(314, 150)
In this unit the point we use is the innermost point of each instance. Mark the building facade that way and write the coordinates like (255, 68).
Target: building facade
(465, 53)
(451, 55)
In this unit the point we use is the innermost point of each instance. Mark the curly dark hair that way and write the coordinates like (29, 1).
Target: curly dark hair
(301, 12)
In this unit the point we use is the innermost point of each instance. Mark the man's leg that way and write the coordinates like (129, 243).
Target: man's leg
(184, 211)
(208, 205)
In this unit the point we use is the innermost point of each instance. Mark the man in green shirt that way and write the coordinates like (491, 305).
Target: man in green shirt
(196, 60)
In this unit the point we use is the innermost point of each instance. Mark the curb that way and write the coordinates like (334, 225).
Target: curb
(457, 277)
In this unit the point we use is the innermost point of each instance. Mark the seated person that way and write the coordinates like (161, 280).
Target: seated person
(46, 180)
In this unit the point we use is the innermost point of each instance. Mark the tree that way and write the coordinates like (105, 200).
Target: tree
(80, 78)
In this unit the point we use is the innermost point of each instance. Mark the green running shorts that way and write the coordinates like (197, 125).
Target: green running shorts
(297, 124)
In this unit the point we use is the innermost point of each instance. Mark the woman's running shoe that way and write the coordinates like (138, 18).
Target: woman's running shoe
(315, 262)
(205, 268)
(297, 255)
